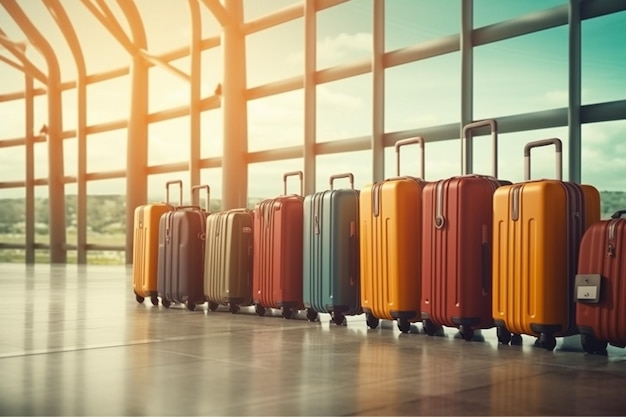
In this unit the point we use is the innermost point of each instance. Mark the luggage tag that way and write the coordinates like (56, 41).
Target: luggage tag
(587, 288)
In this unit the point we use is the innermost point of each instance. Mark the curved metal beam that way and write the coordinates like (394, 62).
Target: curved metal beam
(17, 49)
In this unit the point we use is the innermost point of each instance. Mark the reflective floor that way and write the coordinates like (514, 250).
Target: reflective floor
(75, 342)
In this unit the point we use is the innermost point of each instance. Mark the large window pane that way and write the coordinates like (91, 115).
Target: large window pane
(523, 74)
(211, 133)
(356, 163)
(169, 141)
(276, 121)
(106, 151)
(265, 179)
(108, 100)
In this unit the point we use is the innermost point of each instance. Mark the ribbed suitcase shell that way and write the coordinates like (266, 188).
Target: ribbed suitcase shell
(181, 254)
(390, 238)
(228, 259)
(535, 256)
(146, 244)
(603, 251)
(456, 253)
(277, 253)
(146, 249)
(331, 253)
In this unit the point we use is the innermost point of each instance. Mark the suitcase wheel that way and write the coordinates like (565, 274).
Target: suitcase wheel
(311, 314)
(431, 329)
(259, 309)
(139, 298)
(504, 335)
(166, 303)
(233, 308)
(546, 341)
(154, 300)
(191, 306)
(404, 325)
(213, 306)
(467, 333)
(338, 318)
(593, 346)
(287, 312)
(372, 321)
(516, 339)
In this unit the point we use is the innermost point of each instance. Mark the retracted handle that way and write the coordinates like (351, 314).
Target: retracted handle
(180, 191)
(208, 194)
(292, 174)
(338, 176)
(558, 147)
(618, 214)
(418, 140)
(468, 145)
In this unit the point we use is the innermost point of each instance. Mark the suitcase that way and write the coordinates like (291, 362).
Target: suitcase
(180, 276)
(277, 252)
(331, 252)
(456, 247)
(538, 226)
(601, 285)
(146, 245)
(390, 228)
(228, 259)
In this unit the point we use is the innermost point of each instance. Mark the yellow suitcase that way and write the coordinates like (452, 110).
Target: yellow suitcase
(537, 230)
(390, 219)
(146, 245)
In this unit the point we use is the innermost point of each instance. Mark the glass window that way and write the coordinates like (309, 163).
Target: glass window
(211, 133)
(169, 141)
(253, 9)
(106, 151)
(106, 212)
(409, 22)
(213, 177)
(275, 53)
(604, 58)
(166, 89)
(522, 74)
(423, 93)
(276, 121)
(344, 33)
(13, 163)
(344, 108)
(108, 100)
(157, 189)
(487, 12)
(13, 118)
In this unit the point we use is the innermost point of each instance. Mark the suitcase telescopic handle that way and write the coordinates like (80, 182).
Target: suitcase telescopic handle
(468, 145)
(299, 174)
(208, 194)
(180, 191)
(558, 147)
(339, 176)
(418, 140)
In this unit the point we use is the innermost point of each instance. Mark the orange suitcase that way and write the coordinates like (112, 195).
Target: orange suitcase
(390, 227)
(146, 245)
(538, 226)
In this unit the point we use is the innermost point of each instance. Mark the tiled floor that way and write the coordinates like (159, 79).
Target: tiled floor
(75, 342)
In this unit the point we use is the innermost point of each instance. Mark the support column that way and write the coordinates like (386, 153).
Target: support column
(194, 96)
(310, 95)
(378, 92)
(235, 113)
(573, 109)
(467, 79)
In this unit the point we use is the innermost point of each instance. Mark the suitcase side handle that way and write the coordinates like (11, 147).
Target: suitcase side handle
(299, 174)
(618, 214)
(339, 176)
(558, 147)
(420, 141)
(467, 147)
(208, 194)
(180, 191)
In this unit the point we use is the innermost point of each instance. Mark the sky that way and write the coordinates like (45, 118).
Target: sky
(514, 76)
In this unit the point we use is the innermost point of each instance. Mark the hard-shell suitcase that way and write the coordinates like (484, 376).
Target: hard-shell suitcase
(456, 246)
(601, 285)
(277, 252)
(331, 252)
(146, 245)
(228, 259)
(390, 228)
(181, 254)
(538, 226)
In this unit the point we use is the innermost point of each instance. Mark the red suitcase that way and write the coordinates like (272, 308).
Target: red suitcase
(600, 287)
(277, 252)
(180, 273)
(456, 247)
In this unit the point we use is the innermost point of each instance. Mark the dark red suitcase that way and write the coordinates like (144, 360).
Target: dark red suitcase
(456, 247)
(277, 252)
(600, 288)
(180, 271)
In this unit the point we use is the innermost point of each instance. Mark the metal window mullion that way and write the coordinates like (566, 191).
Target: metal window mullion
(467, 79)
(194, 96)
(310, 95)
(378, 91)
(573, 113)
